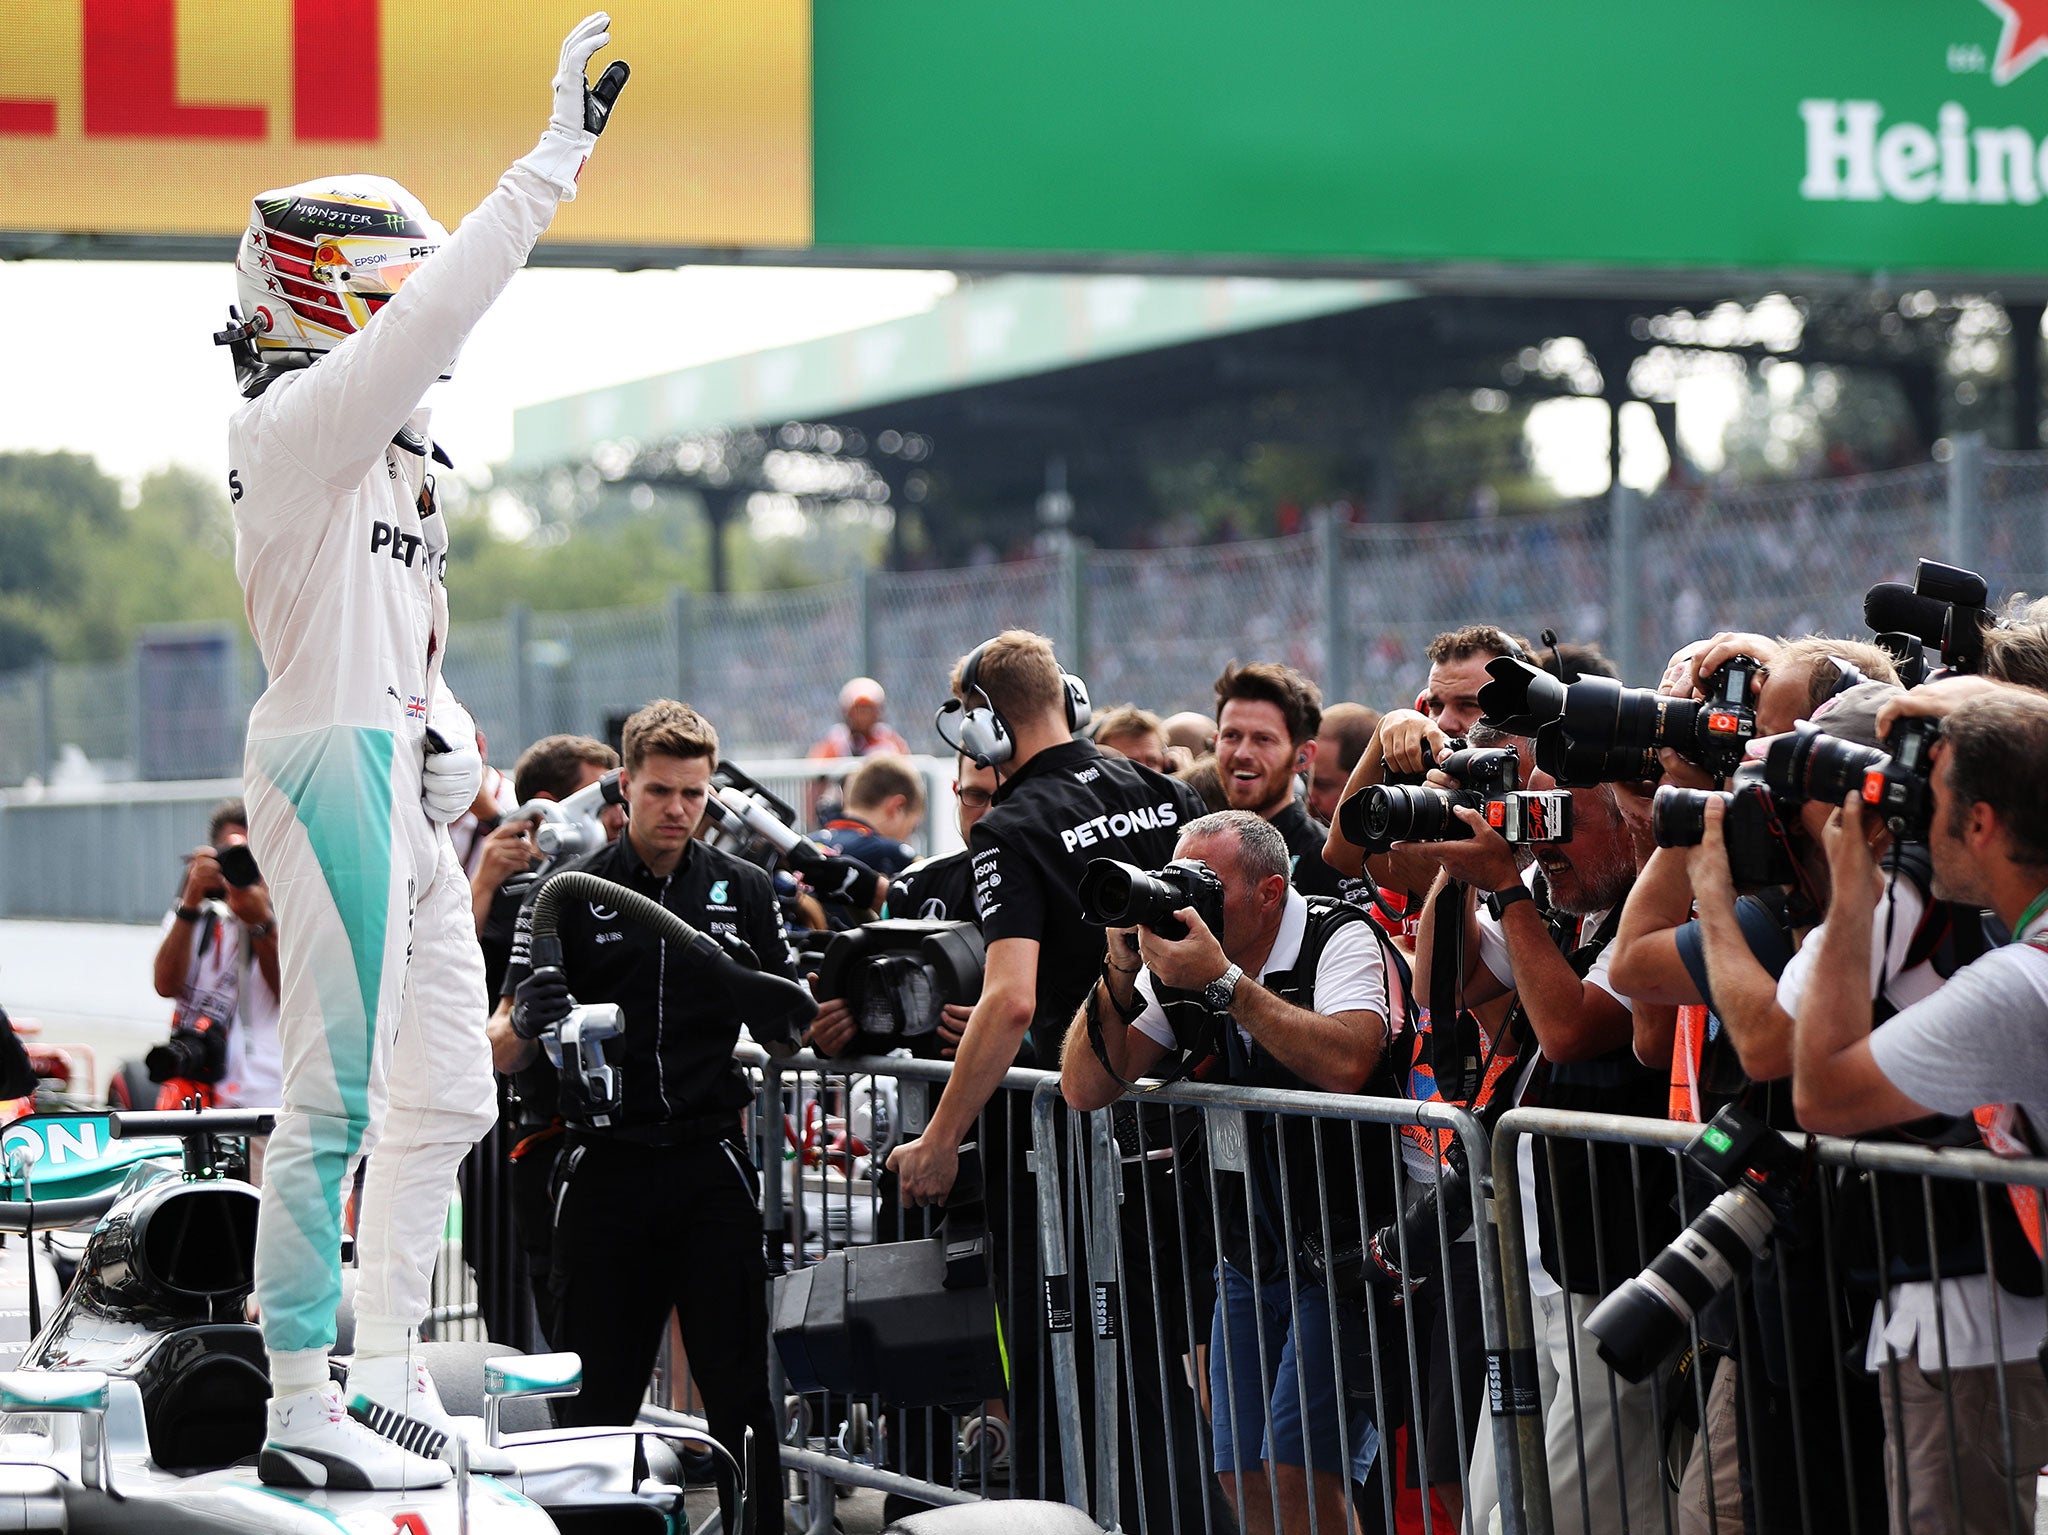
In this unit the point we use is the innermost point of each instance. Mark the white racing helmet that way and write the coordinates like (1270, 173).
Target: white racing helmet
(316, 263)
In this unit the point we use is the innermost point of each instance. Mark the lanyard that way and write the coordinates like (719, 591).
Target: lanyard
(2027, 918)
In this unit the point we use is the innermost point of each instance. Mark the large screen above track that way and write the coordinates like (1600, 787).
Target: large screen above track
(1771, 136)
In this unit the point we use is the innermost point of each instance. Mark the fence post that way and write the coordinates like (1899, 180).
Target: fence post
(1624, 581)
(1073, 603)
(1964, 544)
(522, 676)
(46, 719)
(679, 636)
(863, 621)
(1336, 606)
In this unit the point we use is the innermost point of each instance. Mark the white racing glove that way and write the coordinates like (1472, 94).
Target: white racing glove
(581, 109)
(454, 768)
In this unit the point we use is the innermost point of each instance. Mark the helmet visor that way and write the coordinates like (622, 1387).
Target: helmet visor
(370, 266)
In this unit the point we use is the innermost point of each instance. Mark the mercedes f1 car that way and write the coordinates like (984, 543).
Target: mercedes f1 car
(139, 1404)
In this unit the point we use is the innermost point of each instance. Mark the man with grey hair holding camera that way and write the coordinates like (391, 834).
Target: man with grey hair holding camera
(1290, 991)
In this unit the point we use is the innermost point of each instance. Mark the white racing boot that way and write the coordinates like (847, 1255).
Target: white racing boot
(395, 1396)
(315, 1442)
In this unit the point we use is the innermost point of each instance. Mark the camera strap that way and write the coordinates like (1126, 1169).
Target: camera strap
(1451, 1023)
(1189, 1059)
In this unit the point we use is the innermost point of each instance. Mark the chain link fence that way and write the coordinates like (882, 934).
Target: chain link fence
(1353, 606)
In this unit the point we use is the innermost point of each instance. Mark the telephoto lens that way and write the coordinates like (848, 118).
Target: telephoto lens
(1644, 1321)
(1810, 764)
(1380, 815)
(1117, 894)
(1594, 730)
(1752, 829)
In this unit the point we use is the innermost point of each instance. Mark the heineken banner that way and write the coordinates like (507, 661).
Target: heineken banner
(1901, 136)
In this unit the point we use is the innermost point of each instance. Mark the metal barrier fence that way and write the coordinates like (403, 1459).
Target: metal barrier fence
(1351, 605)
(1877, 1369)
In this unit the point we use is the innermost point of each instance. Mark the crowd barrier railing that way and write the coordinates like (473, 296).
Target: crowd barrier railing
(1876, 1366)
(1110, 1245)
(1486, 1399)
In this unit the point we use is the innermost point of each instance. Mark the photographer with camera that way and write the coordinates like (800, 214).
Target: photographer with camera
(1752, 860)
(1290, 991)
(218, 962)
(1551, 949)
(1409, 741)
(656, 1200)
(1975, 1048)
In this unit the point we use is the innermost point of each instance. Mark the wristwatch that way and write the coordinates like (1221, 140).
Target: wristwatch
(1217, 993)
(262, 929)
(188, 913)
(1498, 901)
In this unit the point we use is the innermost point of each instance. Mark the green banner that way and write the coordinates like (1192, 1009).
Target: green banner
(1903, 136)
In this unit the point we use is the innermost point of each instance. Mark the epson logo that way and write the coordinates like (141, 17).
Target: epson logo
(1104, 828)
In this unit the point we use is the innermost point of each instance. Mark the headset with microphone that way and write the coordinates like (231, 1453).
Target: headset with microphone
(984, 737)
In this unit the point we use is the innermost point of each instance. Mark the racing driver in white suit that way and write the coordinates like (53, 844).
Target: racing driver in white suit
(353, 302)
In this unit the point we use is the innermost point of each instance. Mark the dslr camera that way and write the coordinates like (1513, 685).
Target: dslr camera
(1753, 827)
(1895, 783)
(1380, 815)
(197, 1051)
(1117, 894)
(1644, 1321)
(897, 976)
(1596, 731)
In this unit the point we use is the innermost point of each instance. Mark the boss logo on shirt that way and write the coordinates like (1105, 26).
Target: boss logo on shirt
(1104, 827)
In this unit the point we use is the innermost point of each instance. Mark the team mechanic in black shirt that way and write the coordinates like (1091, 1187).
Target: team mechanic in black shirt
(1267, 718)
(1060, 804)
(660, 1210)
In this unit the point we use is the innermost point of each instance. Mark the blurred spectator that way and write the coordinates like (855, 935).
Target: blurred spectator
(1195, 732)
(1134, 733)
(218, 963)
(1201, 776)
(493, 798)
(860, 731)
(1346, 731)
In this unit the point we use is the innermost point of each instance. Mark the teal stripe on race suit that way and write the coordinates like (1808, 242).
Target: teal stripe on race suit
(339, 782)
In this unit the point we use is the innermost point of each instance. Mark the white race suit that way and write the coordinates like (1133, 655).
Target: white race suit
(382, 1006)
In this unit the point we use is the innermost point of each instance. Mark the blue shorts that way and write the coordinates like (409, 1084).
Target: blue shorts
(1263, 1408)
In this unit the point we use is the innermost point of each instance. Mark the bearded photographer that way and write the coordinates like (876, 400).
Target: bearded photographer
(1976, 1047)
(1296, 989)
(1407, 741)
(218, 962)
(1545, 934)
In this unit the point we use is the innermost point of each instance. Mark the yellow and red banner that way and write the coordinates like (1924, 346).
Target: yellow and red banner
(167, 116)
